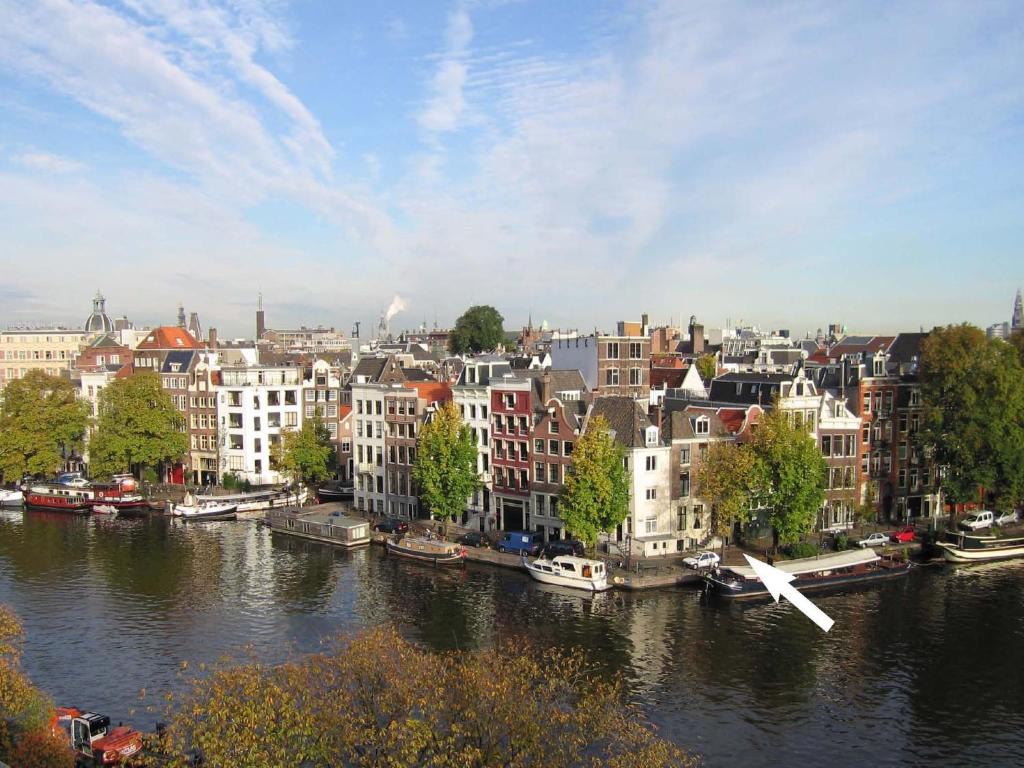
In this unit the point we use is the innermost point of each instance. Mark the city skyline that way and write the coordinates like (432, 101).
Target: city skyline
(794, 165)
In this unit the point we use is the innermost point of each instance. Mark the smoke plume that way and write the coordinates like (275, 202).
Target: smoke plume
(397, 305)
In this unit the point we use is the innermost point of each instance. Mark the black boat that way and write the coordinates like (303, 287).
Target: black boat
(840, 569)
(328, 494)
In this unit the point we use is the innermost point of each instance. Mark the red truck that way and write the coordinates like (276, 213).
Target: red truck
(92, 739)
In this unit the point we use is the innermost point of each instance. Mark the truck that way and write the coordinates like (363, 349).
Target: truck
(94, 742)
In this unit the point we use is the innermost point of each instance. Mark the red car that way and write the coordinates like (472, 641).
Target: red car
(904, 534)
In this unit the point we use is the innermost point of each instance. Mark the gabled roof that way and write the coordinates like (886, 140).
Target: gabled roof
(379, 369)
(105, 341)
(417, 374)
(750, 388)
(625, 417)
(182, 359)
(858, 345)
(169, 337)
(431, 391)
(906, 347)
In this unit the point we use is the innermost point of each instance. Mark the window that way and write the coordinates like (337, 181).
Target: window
(636, 351)
(684, 454)
(612, 350)
(702, 425)
(553, 473)
(553, 447)
(684, 484)
(509, 399)
(652, 463)
(553, 427)
(567, 448)
(539, 473)
(635, 377)
(273, 397)
(867, 402)
(290, 397)
(291, 419)
(652, 494)
(612, 377)
(826, 445)
(851, 449)
(915, 397)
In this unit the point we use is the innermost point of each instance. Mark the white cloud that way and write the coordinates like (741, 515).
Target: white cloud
(47, 162)
(447, 101)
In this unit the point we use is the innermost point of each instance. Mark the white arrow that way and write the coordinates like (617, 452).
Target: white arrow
(777, 582)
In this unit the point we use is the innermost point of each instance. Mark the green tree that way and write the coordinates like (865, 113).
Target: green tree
(306, 454)
(1017, 342)
(595, 497)
(972, 390)
(707, 366)
(479, 328)
(727, 480)
(138, 427)
(445, 468)
(41, 422)
(790, 475)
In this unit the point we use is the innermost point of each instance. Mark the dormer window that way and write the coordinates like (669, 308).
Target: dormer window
(651, 436)
(702, 425)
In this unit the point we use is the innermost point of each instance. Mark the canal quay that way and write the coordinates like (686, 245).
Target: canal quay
(923, 670)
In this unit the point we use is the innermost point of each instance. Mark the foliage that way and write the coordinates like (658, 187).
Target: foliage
(41, 420)
(841, 542)
(726, 479)
(595, 496)
(479, 328)
(445, 468)
(800, 549)
(24, 710)
(138, 426)
(377, 700)
(707, 366)
(306, 454)
(231, 481)
(867, 512)
(790, 475)
(1017, 342)
(972, 390)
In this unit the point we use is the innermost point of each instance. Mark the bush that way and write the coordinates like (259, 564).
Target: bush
(149, 475)
(230, 481)
(841, 542)
(801, 549)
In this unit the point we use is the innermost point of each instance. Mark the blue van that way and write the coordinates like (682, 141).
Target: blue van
(521, 543)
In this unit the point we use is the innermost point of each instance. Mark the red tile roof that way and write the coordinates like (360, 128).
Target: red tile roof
(669, 377)
(733, 418)
(169, 337)
(431, 391)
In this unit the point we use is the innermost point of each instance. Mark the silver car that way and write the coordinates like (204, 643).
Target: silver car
(1007, 518)
(874, 540)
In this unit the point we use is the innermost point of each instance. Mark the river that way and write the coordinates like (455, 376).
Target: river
(923, 670)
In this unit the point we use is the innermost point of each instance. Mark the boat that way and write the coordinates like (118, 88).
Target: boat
(258, 501)
(121, 495)
(426, 549)
(104, 509)
(961, 547)
(847, 568)
(324, 522)
(59, 498)
(328, 494)
(193, 509)
(9, 498)
(569, 571)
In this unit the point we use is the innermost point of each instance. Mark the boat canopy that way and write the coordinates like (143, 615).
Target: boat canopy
(830, 562)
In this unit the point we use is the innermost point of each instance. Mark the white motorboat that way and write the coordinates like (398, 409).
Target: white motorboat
(258, 501)
(569, 571)
(963, 548)
(204, 510)
(9, 498)
(104, 509)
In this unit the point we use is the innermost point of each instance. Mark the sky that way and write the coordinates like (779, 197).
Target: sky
(789, 164)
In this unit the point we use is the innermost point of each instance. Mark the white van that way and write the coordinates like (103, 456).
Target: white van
(973, 522)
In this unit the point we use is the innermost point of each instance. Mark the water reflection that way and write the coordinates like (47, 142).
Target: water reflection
(919, 670)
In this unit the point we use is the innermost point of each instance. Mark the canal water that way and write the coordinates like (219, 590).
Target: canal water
(925, 670)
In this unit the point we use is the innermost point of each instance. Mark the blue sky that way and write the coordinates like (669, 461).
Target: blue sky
(789, 164)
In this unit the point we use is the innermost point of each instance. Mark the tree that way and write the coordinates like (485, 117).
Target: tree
(972, 390)
(479, 328)
(707, 366)
(138, 427)
(595, 497)
(1017, 342)
(377, 700)
(727, 479)
(306, 454)
(445, 468)
(41, 422)
(790, 475)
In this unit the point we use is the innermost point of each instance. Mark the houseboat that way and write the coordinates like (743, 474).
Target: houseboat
(254, 502)
(569, 571)
(959, 547)
(59, 498)
(426, 549)
(324, 522)
(847, 568)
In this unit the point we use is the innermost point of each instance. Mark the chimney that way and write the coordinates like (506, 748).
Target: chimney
(213, 338)
(545, 386)
(697, 338)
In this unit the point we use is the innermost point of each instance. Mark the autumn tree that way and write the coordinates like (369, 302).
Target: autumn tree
(595, 496)
(480, 328)
(445, 467)
(790, 475)
(41, 421)
(306, 454)
(727, 480)
(707, 366)
(138, 427)
(972, 392)
(377, 700)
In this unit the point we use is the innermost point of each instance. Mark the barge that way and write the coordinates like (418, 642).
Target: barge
(325, 522)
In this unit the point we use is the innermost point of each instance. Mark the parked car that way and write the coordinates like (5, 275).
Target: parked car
(1007, 518)
(904, 534)
(521, 543)
(977, 520)
(392, 526)
(565, 547)
(875, 539)
(702, 560)
(473, 539)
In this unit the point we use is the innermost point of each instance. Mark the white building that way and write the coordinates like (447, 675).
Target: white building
(368, 432)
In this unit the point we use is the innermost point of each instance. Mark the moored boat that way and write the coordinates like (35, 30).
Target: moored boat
(569, 571)
(258, 501)
(193, 509)
(59, 498)
(329, 494)
(9, 498)
(324, 522)
(810, 574)
(960, 547)
(428, 550)
(104, 509)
